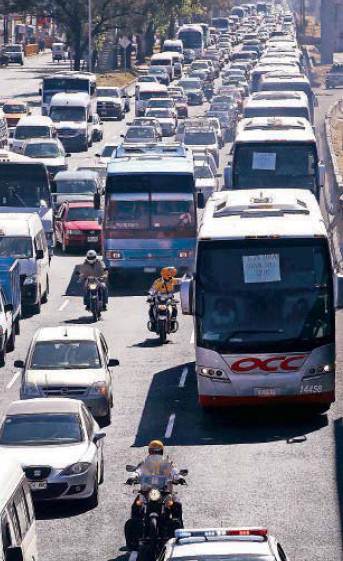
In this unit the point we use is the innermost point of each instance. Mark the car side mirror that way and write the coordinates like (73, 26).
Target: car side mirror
(321, 174)
(338, 290)
(19, 364)
(40, 91)
(113, 362)
(228, 177)
(97, 201)
(39, 254)
(14, 553)
(67, 155)
(98, 436)
(8, 307)
(122, 135)
(183, 472)
(130, 468)
(186, 295)
(201, 200)
(98, 155)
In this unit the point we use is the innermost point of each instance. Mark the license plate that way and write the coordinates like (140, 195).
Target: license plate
(266, 392)
(150, 269)
(38, 485)
(92, 239)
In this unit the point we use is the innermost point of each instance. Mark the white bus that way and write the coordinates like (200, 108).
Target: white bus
(18, 535)
(263, 301)
(275, 152)
(192, 37)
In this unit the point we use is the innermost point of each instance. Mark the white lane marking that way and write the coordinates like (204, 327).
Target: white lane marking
(170, 426)
(133, 555)
(192, 338)
(13, 380)
(183, 377)
(64, 305)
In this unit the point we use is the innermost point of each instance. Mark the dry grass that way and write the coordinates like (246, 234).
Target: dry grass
(118, 79)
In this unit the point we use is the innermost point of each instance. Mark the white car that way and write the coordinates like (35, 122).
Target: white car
(49, 151)
(110, 103)
(106, 153)
(166, 118)
(206, 182)
(70, 361)
(231, 544)
(59, 446)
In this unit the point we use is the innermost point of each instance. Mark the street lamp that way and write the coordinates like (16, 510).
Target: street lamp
(90, 35)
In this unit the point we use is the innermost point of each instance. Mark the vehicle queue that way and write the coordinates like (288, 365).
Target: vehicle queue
(157, 199)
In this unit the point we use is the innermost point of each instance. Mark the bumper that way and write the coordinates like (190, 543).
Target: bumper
(70, 487)
(82, 241)
(250, 401)
(149, 266)
(110, 113)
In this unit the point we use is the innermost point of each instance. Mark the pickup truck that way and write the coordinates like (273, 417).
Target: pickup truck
(10, 305)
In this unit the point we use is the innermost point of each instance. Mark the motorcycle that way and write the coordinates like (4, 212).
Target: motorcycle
(94, 297)
(155, 513)
(162, 310)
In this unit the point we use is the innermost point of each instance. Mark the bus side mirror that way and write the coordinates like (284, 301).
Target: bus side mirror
(228, 177)
(186, 295)
(321, 174)
(338, 290)
(97, 201)
(14, 553)
(201, 200)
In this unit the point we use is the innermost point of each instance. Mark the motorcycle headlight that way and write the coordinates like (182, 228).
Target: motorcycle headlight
(31, 390)
(30, 279)
(76, 469)
(162, 307)
(154, 495)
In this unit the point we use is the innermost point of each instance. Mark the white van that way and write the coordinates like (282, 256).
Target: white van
(165, 60)
(73, 116)
(144, 92)
(32, 126)
(18, 529)
(26, 241)
(173, 45)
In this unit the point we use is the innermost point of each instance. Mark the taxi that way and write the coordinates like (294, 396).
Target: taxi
(14, 110)
(231, 544)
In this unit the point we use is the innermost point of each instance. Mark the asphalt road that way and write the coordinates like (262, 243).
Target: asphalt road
(284, 473)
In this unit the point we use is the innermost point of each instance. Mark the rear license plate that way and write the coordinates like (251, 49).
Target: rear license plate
(266, 392)
(150, 269)
(38, 485)
(92, 239)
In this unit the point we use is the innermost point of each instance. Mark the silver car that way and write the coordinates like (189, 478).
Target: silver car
(59, 446)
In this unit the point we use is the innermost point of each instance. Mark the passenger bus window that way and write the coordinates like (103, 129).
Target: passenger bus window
(15, 523)
(5, 533)
(22, 513)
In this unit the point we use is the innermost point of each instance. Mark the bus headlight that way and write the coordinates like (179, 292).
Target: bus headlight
(325, 369)
(215, 373)
(185, 254)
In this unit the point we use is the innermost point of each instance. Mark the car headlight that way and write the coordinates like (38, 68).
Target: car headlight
(154, 495)
(30, 279)
(76, 469)
(99, 388)
(31, 390)
(74, 232)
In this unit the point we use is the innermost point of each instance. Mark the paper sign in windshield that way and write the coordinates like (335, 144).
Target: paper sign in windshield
(264, 161)
(261, 268)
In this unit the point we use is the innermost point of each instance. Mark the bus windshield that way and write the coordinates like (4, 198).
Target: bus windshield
(291, 165)
(24, 186)
(264, 295)
(191, 39)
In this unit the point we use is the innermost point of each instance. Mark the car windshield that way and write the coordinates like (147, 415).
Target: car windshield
(15, 246)
(163, 103)
(13, 48)
(145, 96)
(190, 85)
(108, 151)
(68, 114)
(42, 151)
(139, 132)
(64, 355)
(9, 108)
(22, 132)
(160, 113)
(147, 79)
(265, 296)
(157, 70)
(75, 186)
(202, 172)
(107, 92)
(199, 138)
(82, 213)
(40, 429)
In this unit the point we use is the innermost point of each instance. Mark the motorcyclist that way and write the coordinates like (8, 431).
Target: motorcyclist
(134, 526)
(165, 284)
(94, 267)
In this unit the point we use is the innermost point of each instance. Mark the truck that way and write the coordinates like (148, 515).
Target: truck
(10, 305)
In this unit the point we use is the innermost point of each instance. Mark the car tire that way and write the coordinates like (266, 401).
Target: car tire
(46, 293)
(11, 341)
(3, 355)
(17, 326)
(93, 500)
(37, 307)
(102, 470)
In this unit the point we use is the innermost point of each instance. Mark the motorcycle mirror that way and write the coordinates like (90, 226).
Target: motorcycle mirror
(183, 472)
(130, 468)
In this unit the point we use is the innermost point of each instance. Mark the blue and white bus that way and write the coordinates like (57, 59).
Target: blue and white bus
(150, 218)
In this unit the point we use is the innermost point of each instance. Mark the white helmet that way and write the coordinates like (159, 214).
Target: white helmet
(91, 256)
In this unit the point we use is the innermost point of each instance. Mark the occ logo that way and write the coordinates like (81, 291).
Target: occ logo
(271, 364)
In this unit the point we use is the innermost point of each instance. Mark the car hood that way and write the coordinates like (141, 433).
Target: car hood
(55, 456)
(83, 225)
(77, 377)
(70, 125)
(166, 121)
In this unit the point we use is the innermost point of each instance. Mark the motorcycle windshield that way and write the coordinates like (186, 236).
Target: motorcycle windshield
(156, 472)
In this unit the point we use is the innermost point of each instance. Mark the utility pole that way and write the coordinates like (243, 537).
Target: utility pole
(89, 35)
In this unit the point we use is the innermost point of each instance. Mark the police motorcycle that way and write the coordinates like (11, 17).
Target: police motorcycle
(163, 315)
(155, 513)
